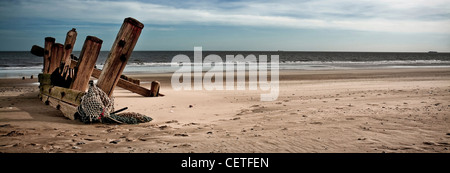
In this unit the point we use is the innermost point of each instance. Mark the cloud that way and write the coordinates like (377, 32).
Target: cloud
(402, 16)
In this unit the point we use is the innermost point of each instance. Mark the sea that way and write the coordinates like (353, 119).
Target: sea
(18, 64)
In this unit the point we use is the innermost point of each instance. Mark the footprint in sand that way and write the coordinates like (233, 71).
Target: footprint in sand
(163, 127)
(185, 145)
(5, 125)
(319, 123)
(181, 134)
(115, 141)
(191, 124)
(90, 139)
(171, 121)
(182, 145)
(14, 133)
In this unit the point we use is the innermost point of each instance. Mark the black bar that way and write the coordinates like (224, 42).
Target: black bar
(226, 162)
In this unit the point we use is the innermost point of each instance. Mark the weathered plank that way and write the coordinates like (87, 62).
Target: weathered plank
(67, 109)
(67, 95)
(136, 81)
(134, 88)
(85, 65)
(130, 86)
(120, 53)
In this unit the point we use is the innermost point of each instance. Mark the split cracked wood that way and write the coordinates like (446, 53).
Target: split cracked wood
(120, 53)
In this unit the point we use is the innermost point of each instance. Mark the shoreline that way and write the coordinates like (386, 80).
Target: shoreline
(18, 72)
(364, 110)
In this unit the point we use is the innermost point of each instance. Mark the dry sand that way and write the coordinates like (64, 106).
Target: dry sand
(384, 110)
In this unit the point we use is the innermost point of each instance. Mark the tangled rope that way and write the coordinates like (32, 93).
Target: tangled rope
(96, 106)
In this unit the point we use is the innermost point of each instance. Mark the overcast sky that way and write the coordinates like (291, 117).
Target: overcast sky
(296, 25)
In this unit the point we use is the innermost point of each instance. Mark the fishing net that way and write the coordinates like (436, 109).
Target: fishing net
(96, 106)
(128, 118)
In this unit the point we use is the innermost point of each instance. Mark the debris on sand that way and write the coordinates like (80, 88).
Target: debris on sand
(14, 133)
(115, 141)
(181, 134)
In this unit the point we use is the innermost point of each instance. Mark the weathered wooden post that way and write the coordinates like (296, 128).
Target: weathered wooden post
(49, 41)
(154, 89)
(85, 66)
(71, 37)
(120, 53)
(57, 52)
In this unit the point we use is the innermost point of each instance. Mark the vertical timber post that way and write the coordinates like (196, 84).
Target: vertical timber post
(154, 89)
(85, 66)
(71, 37)
(120, 53)
(55, 58)
(49, 41)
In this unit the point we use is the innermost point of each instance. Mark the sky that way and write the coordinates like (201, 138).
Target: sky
(262, 25)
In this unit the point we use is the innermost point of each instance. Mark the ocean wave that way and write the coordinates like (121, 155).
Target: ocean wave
(382, 62)
(150, 64)
(20, 67)
(327, 63)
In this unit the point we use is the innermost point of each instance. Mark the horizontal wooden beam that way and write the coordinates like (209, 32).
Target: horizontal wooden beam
(67, 95)
(37, 50)
(130, 86)
(127, 85)
(136, 81)
(67, 109)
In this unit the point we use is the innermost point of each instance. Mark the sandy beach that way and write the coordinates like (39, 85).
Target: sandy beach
(366, 110)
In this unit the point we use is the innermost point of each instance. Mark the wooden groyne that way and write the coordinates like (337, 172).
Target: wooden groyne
(64, 80)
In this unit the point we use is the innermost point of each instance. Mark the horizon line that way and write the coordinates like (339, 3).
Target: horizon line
(331, 51)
